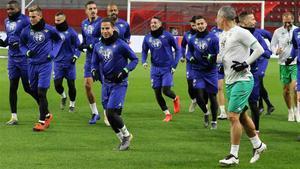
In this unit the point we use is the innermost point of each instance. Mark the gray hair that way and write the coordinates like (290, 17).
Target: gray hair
(227, 12)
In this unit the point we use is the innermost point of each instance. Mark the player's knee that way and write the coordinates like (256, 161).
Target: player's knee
(166, 90)
(233, 118)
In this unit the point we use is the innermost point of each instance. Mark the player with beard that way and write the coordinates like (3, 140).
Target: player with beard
(204, 47)
(110, 57)
(163, 64)
(64, 61)
(281, 45)
(247, 21)
(38, 42)
(121, 26)
(90, 29)
(186, 54)
(17, 62)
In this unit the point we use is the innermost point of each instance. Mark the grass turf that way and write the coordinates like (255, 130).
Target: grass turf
(71, 142)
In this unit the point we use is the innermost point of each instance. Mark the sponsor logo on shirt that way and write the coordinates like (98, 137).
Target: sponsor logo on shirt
(106, 53)
(155, 43)
(11, 26)
(39, 37)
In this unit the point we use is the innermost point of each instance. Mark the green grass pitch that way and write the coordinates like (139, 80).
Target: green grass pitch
(71, 143)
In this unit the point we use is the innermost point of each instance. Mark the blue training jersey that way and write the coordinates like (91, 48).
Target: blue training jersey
(161, 50)
(203, 47)
(296, 44)
(267, 52)
(68, 46)
(123, 29)
(185, 40)
(113, 58)
(13, 30)
(91, 31)
(42, 43)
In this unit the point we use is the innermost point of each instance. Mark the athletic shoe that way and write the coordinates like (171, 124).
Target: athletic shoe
(257, 152)
(168, 118)
(39, 127)
(297, 116)
(71, 109)
(206, 121)
(125, 143)
(48, 120)
(270, 110)
(94, 119)
(12, 121)
(192, 106)
(291, 116)
(229, 160)
(213, 125)
(222, 117)
(63, 103)
(176, 103)
(106, 122)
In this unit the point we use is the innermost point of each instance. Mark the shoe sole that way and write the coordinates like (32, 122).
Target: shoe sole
(228, 165)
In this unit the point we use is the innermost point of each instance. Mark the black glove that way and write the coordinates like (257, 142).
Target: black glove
(288, 61)
(95, 75)
(15, 46)
(81, 47)
(2, 43)
(193, 60)
(74, 59)
(30, 53)
(119, 77)
(90, 48)
(221, 69)
(237, 66)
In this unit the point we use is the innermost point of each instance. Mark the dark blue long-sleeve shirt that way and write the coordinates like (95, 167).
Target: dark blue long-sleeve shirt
(123, 29)
(13, 30)
(185, 40)
(111, 59)
(42, 43)
(161, 50)
(91, 31)
(203, 47)
(68, 46)
(296, 44)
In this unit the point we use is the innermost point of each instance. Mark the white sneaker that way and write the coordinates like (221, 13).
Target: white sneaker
(291, 116)
(222, 116)
(257, 152)
(229, 160)
(192, 106)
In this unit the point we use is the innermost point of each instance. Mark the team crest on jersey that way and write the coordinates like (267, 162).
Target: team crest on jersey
(107, 54)
(11, 26)
(201, 44)
(39, 37)
(89, 29)
(155, 43)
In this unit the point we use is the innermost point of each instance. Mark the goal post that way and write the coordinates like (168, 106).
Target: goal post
(176, 13)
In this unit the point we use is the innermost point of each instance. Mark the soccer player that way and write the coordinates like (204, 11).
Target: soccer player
(204, 47)
(247, 21)
(163, 64)
(90, 29)
(64, 61)
(17, 61)
(295, 53)
(221, 97)
(235, 44)
(262, 66)
(281, 45)
(37, 43)
(121, 26)
(186, 54)
(110, 57)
